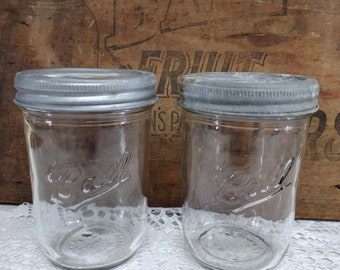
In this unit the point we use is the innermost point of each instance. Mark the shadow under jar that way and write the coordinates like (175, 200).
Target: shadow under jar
(243, 140)
(87, 134)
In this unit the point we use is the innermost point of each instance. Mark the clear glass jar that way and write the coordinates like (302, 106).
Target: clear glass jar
(87, 134)
(243, 137)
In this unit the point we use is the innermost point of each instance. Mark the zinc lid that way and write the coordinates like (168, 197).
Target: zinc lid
(84, 89)
(249, 93)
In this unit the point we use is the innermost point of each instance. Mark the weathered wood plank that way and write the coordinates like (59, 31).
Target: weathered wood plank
(171, 38)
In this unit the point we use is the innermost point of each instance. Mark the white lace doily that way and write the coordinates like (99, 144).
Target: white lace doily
(315, 244)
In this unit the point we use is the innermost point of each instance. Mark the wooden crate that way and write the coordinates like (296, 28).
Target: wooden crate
(171, 38)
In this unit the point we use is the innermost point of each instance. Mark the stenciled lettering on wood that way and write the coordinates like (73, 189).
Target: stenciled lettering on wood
(136, 30)
(184, 14)
(200, 12)
(330, 152)
(174, 64)
(142, 21)
(285, 44)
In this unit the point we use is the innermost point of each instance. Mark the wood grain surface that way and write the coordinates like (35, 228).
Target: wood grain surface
(171, 38)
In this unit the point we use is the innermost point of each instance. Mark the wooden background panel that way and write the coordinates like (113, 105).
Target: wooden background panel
(171, 38)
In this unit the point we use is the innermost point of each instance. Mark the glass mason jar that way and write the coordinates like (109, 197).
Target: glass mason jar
(87, 134)
(243, 135)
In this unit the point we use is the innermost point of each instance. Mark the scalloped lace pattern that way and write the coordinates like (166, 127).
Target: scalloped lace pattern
(314, 245)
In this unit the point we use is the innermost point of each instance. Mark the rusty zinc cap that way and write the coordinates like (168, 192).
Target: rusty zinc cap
(248, 93)
(84, 89)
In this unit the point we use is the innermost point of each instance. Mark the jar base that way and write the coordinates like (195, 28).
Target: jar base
(94, 247)
(227, 247)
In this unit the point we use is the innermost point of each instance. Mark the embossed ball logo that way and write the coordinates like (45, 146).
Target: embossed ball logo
(78, 183)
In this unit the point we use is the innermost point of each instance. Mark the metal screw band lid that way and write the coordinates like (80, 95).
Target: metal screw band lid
(84, 89)
(249, 93)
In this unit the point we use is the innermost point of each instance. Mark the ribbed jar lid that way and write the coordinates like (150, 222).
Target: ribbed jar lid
(249, 93)
(84, 89)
